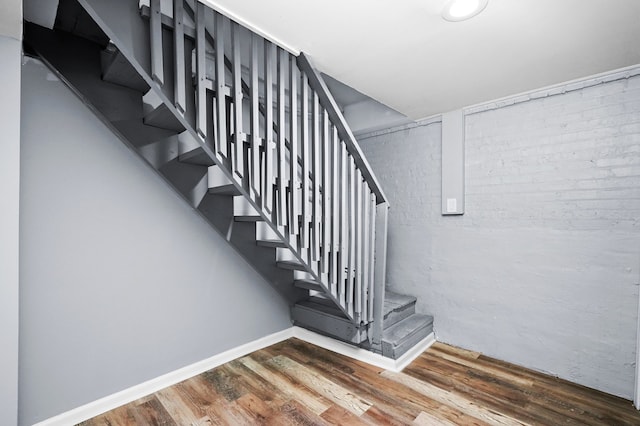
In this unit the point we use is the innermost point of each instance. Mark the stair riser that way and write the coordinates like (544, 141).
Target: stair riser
(219, 183)
(389, 351)
(398, 315)
(244, 211)
(328, 325)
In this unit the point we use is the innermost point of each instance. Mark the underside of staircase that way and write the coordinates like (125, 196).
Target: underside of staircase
(249, 136)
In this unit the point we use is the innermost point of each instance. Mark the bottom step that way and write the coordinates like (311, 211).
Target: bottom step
(402, 336)
(319, 316)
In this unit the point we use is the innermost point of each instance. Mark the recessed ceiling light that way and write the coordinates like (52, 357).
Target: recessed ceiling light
(459, 10)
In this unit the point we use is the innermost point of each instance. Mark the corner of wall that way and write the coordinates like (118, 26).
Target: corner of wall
(11, 56)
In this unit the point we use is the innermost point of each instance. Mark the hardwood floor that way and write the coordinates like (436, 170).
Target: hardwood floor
(295, 383)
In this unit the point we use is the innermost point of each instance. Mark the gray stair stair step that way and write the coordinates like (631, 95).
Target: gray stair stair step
(271, 243)
(308, 285)
(248, 218)
(228, 189)
(322, 305)
(327, 321)
(116, 69)
(291, 265)
(321, 300)
(393, 300)
(406, 327)
(401, 337)
(140, 135)
(163, 118)
(196, 156)
(397, 307)
(219, 183)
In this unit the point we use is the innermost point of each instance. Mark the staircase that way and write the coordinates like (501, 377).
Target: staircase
(250, 136)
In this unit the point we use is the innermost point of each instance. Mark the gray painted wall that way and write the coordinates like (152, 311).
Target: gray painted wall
(121, 281)
(543, 268)
(11, 18)
(11, 56)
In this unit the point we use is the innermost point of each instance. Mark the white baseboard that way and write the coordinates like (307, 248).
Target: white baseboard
(395, 365)
(126, 396)
(141, 390)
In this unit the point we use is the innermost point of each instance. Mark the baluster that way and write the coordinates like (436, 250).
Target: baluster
(352, 234)
(372, 239)
(326, 212)
(238, 138)
(293, 141)
(255, 119)
(220, 86)
(155, 26)
(282, 148)
(335, 216)
(201, 72)
(306, 215)
(366, 224)
(358, 243)
(317, 214)
(344, 224)
(178, 49)
(268, 100)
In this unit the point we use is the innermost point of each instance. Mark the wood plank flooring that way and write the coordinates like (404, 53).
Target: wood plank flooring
(295, 383)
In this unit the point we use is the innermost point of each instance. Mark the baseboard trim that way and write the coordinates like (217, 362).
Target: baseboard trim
(395, 365)
(102, 405)
(125, 396)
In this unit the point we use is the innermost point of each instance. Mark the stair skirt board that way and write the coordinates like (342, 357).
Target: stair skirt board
(110, 402)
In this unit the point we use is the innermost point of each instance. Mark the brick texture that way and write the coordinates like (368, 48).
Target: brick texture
(543, 267)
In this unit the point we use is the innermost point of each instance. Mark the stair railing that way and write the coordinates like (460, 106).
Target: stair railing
(292, 155)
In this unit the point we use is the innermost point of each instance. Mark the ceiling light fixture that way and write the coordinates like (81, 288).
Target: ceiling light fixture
(460, 10)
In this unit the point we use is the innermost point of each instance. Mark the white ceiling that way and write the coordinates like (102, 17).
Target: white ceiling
(403, 54)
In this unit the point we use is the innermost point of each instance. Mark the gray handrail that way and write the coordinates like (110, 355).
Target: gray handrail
(328, 102)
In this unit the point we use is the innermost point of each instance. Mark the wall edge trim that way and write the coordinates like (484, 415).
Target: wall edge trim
(516, 98)
(555, 89)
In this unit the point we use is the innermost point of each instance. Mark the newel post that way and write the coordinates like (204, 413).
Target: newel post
(380, 272)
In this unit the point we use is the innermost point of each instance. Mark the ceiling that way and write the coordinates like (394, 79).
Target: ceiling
(404, 55)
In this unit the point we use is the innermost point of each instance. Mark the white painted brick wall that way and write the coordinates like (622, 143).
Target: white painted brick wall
(543, 268)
